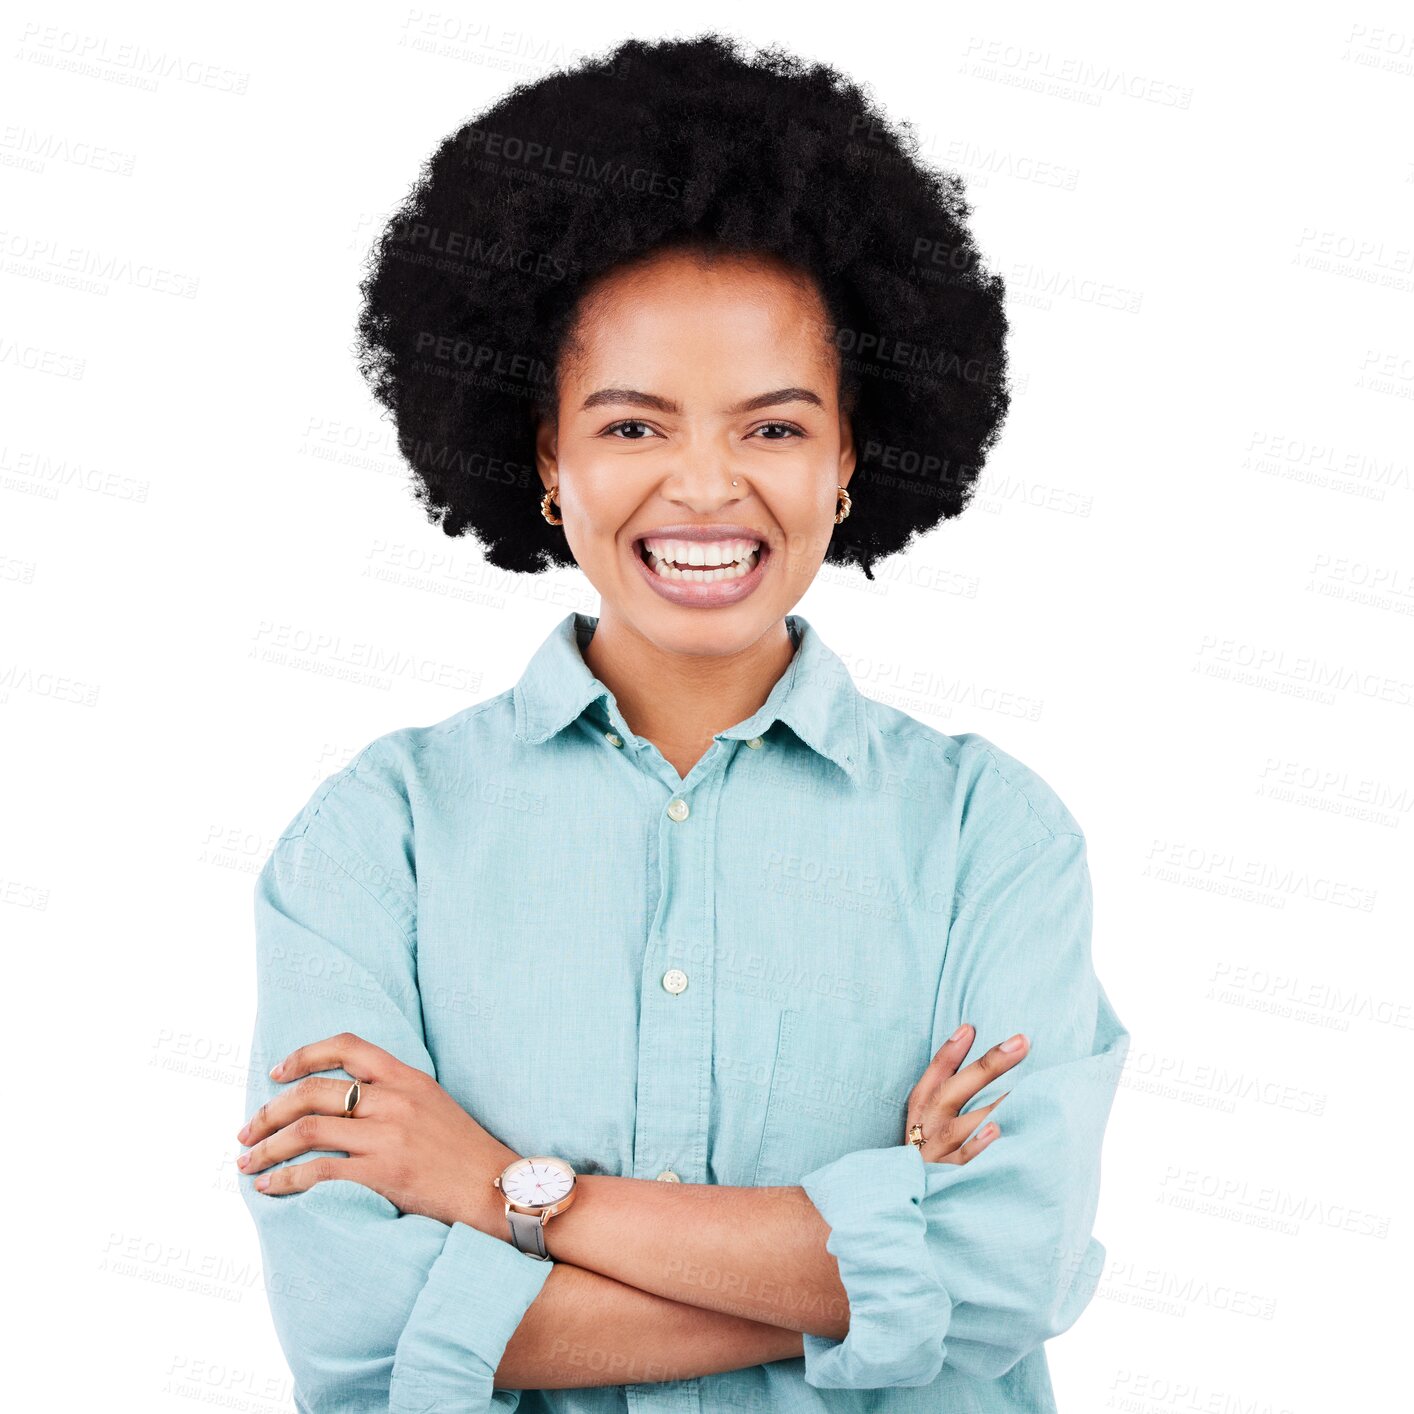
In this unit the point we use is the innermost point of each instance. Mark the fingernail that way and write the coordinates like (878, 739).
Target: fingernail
(276, 1069)
(1015, 1044)
(959, 1033)
(262, 1180)
(245, 1129)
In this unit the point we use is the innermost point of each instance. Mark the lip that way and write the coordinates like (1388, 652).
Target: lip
(696, 595)
(716, 531)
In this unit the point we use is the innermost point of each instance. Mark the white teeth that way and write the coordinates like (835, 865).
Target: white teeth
(720, 559)
(702, 552)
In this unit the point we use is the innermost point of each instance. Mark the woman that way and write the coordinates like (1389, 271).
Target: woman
(682, 984)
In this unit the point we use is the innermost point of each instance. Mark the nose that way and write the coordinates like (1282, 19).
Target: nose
(703, 483)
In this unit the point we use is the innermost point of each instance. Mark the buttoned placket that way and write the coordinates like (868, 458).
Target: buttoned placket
(677, 989)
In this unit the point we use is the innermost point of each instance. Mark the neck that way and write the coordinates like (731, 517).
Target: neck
(680, 701)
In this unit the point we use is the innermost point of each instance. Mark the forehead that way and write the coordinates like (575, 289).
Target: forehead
(675, 302)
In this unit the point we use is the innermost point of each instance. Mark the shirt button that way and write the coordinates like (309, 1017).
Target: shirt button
(613, 738)
(675, 980)
(677, 810)
(668, 1176)
(755, 743)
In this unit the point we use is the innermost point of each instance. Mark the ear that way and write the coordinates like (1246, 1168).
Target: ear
(847, 449)
(547, 461)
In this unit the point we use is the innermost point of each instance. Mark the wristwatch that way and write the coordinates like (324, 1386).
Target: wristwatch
(535, 1190)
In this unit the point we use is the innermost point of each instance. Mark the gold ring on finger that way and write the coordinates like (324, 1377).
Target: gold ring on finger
(351, 1099)
(915, 1135)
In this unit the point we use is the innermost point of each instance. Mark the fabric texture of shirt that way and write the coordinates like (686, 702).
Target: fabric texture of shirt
(734, 977)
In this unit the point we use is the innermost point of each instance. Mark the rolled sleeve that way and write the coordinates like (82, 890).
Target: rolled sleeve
(373, 1308)
(475, 1296)
(873, 1200)
(977, 1264)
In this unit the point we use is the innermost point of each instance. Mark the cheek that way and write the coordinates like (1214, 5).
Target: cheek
(597, 502)
(807, 521)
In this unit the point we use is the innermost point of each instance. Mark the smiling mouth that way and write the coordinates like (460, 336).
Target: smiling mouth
(701, 562)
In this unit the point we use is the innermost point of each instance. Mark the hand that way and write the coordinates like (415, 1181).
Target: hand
(942, 1091)
(407, 1139)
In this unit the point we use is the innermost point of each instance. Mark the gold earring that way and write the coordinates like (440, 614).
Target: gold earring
(545, 502)
(842, 505)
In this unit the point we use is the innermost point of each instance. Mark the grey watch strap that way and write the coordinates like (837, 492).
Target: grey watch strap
(528, 1234)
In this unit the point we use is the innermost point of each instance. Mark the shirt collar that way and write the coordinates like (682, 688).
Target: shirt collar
(815, 696)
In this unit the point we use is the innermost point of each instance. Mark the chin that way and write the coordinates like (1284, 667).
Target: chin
(716, 632)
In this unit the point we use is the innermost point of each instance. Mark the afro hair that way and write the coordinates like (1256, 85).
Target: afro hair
(471, 290)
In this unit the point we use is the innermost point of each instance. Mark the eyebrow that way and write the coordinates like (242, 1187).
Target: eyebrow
(633, 398)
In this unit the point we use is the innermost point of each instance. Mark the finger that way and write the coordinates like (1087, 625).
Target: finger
(948, 1057)
(314, 1095)
(956, 1091)
(299, 1178)
(357, 1056)
(977, 1143)
(944, 1132)
(966, 1123)
(313, 1131)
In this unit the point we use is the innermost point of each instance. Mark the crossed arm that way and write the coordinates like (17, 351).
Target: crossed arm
(656, 1281)
(651, 1281)
(693, 1279)
(665, 1281)
(587, 1329)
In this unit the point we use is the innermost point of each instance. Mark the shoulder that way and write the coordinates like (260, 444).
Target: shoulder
(1016, 826)
(1017, 800)
(989, 787)
(982, 803)
(366, 810)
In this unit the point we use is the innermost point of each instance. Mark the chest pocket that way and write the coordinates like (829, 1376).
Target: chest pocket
(837, 1085)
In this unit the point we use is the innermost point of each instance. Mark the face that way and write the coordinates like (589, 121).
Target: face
(698, 447)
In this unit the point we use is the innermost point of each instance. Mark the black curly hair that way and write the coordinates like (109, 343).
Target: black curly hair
(472, 289)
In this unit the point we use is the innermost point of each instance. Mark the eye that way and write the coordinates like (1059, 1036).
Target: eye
(782, 431)
(614, 427)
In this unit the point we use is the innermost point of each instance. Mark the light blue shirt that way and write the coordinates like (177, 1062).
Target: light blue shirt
(498, 899)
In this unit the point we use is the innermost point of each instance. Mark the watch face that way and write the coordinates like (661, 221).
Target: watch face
(536, 1183)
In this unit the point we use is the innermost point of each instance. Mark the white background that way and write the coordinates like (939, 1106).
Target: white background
(1183, 596)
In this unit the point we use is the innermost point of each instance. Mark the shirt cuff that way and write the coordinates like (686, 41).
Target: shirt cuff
(475, 1296)
(899, 1311)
